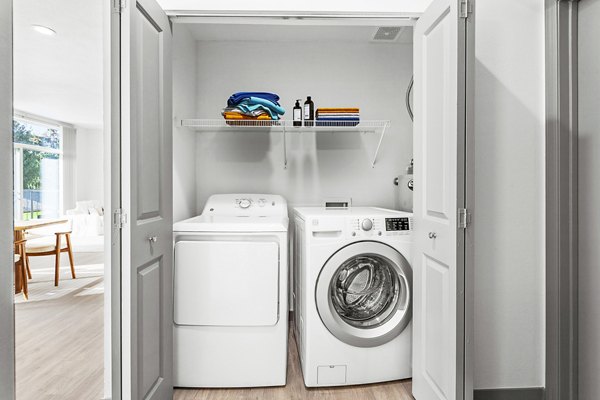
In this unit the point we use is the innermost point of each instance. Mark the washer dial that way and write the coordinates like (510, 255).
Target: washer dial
(366, 224)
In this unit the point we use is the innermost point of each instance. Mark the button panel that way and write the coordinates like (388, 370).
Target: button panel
(366, 227)
(380, 226)
(246, 203)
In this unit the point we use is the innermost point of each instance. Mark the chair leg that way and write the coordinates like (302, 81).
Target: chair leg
(23, 271)
(57, 261)
(26, 257)
(70, 251)
(18, 283)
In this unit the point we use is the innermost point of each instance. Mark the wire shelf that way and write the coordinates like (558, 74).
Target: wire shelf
(287, 127)
(222, 124)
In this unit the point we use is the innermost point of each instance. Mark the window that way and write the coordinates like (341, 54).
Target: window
(37, 170)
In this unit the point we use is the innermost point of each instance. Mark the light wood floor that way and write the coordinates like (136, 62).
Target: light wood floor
(59, 351)
(59, 342)
(295, 389)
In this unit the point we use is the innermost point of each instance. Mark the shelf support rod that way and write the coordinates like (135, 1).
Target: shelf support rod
(379, 144)
(284, 148)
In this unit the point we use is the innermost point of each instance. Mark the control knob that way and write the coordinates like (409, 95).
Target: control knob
(245, 203)
(366, 224)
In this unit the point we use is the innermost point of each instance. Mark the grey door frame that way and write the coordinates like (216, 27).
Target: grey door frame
(7, 318)
(112, 120)
(561, 200)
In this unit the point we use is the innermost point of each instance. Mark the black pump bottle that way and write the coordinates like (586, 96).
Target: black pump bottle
(309, 112)
(297, 114)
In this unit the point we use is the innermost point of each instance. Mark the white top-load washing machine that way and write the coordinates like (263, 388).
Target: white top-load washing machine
(230, 293)
(352, 295)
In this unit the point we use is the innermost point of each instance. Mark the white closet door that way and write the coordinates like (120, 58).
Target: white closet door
(439, 154)
(146, 198)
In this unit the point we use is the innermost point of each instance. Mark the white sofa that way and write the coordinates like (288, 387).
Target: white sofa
(87, 225)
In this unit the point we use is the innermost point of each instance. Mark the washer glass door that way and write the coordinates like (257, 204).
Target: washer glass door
(363, 294)
(365, 290)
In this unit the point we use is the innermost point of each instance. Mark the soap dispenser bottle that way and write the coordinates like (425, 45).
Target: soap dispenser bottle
(309, 112)
(297, 113)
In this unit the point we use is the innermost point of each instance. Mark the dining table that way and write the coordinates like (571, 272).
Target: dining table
(21, 228)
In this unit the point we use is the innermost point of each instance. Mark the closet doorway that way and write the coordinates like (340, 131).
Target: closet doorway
(58, 200)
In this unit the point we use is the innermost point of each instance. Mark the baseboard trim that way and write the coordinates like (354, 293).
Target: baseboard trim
(509, 394)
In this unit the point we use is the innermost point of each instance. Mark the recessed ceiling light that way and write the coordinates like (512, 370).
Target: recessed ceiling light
(44, 30)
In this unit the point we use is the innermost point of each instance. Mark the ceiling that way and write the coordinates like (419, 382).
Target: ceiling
(291, 33)
(59, 77)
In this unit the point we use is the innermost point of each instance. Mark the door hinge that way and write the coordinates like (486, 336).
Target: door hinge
(119, 5)
(119, 218)
(466, 8)
(464, 218)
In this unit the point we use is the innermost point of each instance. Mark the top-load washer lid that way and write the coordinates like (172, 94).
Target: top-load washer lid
(239, 213)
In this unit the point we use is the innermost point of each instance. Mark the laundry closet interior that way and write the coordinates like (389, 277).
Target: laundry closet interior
(337, 63)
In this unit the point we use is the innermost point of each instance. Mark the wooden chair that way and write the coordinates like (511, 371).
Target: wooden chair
(49, 246)
(21, 266)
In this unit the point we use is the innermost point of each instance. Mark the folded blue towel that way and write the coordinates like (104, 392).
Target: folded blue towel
(240, 96)
(337, 122)
(264, 102)
(338, 119)
(249, 108)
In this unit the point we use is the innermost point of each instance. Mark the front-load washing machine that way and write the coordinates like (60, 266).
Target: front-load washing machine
(352, 295)
(230, 293)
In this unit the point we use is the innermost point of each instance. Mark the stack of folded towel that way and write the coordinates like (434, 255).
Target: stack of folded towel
(338, 116)
(253, 106)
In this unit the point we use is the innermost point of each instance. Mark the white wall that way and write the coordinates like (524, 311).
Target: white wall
(509, 216)
(373, 77)
(589, 199)
(89, 164)
(184, 140)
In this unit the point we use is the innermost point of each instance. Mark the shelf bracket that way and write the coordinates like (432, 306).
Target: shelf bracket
(379, 145)
(285, 161)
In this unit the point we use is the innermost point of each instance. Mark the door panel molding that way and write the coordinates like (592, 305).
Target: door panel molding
(150, 319)
(148, 126)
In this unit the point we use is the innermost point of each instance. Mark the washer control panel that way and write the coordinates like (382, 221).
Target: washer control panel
(365, 227)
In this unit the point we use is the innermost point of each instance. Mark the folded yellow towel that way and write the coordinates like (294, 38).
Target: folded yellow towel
(230, 115)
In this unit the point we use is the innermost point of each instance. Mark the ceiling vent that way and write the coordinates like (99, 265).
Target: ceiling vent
(387, 33)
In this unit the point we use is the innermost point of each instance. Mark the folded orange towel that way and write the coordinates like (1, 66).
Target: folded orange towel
(341, 110)
(230, 115)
